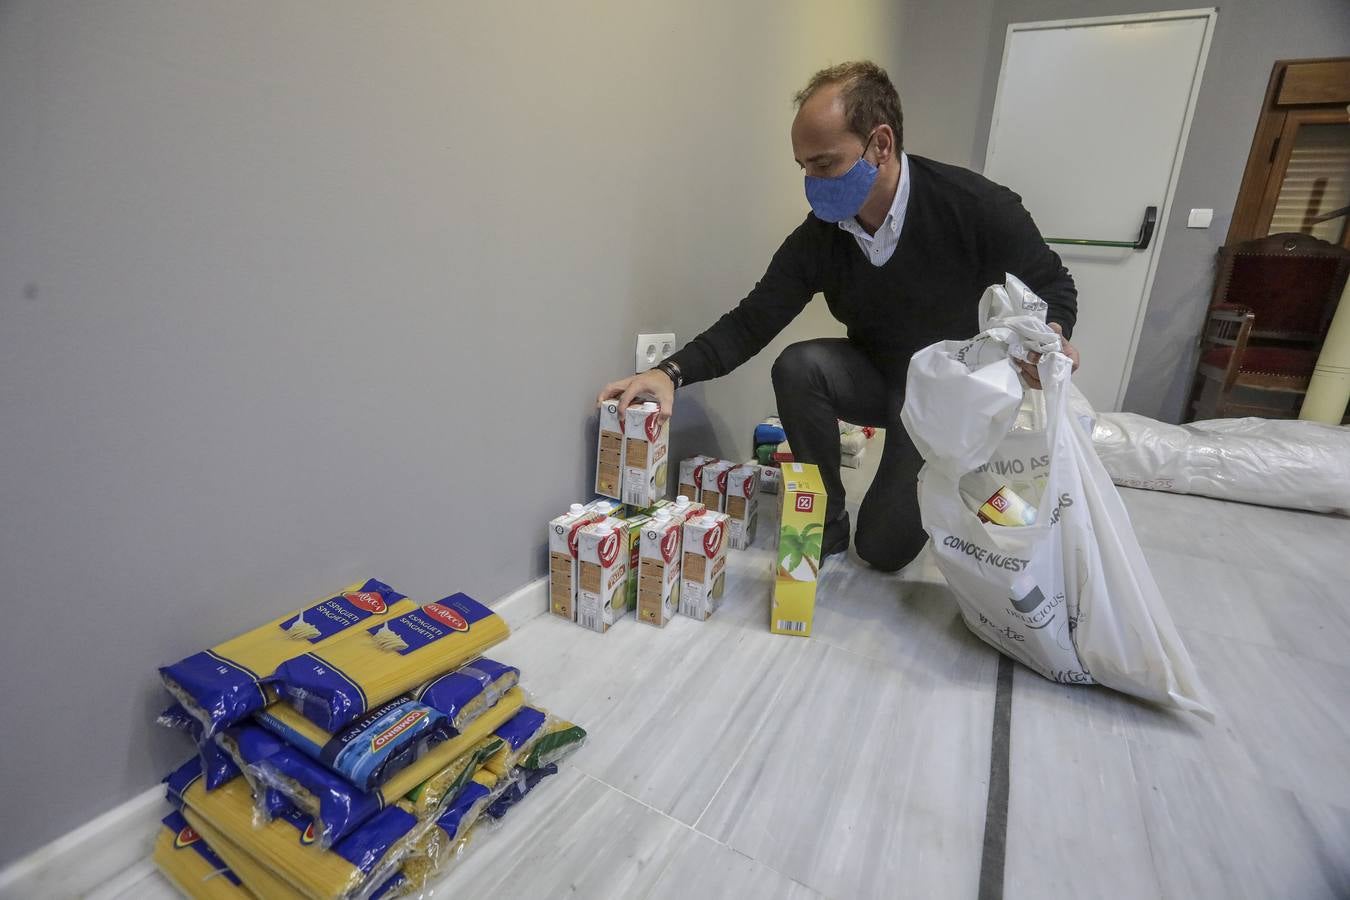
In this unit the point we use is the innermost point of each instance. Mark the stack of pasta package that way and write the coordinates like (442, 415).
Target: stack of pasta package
(349, 749)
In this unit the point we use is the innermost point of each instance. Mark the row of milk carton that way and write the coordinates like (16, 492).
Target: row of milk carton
(605, 560)
(731, 488)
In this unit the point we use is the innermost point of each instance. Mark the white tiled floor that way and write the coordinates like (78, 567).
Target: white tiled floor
(728, 762)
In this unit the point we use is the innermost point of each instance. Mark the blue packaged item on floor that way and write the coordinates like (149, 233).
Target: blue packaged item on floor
(468, 692)
(522, 728)
(522, 782)
(769, 434)
(369, 751)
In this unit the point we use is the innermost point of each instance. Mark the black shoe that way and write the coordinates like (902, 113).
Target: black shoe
(835, 539)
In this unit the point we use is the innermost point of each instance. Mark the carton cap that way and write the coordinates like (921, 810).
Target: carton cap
(664, 511)
(576, 509)
(681, 502)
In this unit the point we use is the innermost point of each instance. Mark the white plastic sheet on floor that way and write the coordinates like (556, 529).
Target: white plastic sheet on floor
(1273, 462)
(1070, 596)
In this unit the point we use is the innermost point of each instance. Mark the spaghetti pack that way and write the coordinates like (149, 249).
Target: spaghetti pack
(348, 749)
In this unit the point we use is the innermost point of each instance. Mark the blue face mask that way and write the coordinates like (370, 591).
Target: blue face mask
(840, 198)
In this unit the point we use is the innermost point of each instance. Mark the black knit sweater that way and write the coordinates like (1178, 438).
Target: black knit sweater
(962, 233)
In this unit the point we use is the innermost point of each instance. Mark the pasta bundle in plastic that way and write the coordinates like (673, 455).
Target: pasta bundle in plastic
(338, 807)
(222, 685)
(559, 740)
(259, 880)
(369, 666)
(191, 865)
(369, 751)
(217, 767)
(284, 846)
(519, 734)
(467, 693)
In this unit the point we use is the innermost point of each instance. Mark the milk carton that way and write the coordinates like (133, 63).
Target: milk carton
(646, 447)
(797, 559)
(659, 568)
(715, 485)
(703, 575)
(742, 504)
(562, 559)
(770, 479)
(609, 452)
(691, 476)
(602, 557)
(685, 509)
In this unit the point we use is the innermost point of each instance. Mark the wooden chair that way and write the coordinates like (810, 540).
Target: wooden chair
(1273, 300)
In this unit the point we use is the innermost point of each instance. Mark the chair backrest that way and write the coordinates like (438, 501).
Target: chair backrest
(1290, 281)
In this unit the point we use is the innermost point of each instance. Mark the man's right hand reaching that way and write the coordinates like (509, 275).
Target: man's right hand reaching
(653, 383)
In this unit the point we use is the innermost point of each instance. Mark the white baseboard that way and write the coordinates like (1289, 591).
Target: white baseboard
(522, 605)
(117, 842)
(80, 861)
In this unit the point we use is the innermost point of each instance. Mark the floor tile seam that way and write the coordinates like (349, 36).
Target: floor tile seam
(745, 748)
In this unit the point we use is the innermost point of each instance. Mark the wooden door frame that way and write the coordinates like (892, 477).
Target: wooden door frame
(1272, 146)
(1210, 16)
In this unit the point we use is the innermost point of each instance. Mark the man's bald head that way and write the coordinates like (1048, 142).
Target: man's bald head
(842, 112)
(860, 93)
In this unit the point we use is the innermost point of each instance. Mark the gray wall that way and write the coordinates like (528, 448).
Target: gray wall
(945, 63)
(294, 293)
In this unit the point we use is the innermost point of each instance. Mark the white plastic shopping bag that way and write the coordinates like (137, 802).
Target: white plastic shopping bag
(1069, 595)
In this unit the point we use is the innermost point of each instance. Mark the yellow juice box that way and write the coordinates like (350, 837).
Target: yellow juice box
(635, 520)
(609, 452)
(797, 559)
(691, 476)
(602, 557)
(715, 485)
(659, 568)
(742, 504)
(703, 570)
(646, 450)
(562, 559)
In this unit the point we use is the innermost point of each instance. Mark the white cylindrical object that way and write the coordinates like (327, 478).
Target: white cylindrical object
(1329, 389)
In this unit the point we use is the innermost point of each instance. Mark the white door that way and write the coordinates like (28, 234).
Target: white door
(1089, 127)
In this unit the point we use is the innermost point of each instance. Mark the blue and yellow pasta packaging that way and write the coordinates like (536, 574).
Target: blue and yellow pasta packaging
(217, 767)
(222, 685)
(333, 685)
(466, 693)
(521, 783)
(286, 846)
(191, 865)
(338, 807)
(372, 749)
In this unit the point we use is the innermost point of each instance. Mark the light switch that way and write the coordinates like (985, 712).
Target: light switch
(1200, 218)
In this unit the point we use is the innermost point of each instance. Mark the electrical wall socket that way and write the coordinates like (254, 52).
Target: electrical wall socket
(652, 348)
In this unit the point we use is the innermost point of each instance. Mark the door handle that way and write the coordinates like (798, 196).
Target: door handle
(1140, 243)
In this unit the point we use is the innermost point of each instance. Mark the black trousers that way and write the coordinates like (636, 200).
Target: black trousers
(819, 382)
